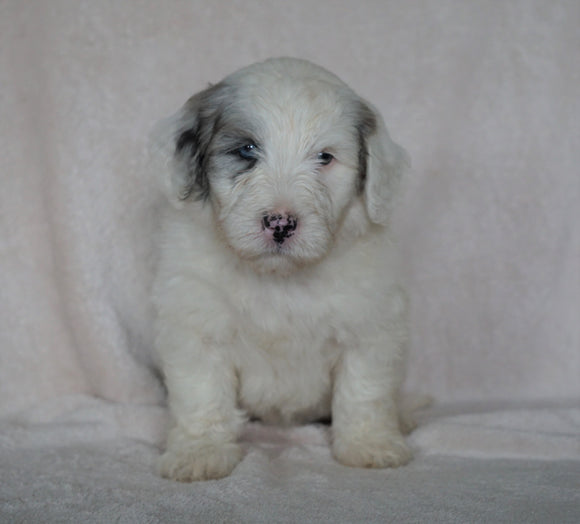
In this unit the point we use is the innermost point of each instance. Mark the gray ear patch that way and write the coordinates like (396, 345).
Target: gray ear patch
(381, 164)
(189, 147)
(201, 116)
(367, 125)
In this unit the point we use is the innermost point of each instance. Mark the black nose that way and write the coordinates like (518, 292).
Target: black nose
(282, 226)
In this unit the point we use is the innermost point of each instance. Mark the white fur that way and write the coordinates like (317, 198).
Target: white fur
(291, 332)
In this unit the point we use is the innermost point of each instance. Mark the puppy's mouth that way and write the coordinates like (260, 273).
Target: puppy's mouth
(281, 257)
(278, 261)
(281, 242)
(276, 249)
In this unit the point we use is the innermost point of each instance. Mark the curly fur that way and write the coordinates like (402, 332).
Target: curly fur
(285, 325)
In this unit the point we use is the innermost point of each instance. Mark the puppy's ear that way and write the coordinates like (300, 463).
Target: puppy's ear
(182, 141)
(382, 164)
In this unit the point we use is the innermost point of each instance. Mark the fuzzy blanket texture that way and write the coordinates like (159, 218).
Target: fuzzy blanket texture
(485, 97)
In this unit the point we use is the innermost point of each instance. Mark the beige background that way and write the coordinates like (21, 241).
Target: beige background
(483, 94)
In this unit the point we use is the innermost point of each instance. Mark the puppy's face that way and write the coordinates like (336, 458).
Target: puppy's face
(281, 153)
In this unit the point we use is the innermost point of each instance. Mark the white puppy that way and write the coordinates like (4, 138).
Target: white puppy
(276, 291)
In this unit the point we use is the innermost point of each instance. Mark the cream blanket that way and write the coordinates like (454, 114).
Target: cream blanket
(484, 95)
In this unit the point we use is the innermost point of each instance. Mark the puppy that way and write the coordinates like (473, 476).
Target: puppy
(276, 292)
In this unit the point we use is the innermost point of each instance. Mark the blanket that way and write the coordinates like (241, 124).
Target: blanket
(483, 95)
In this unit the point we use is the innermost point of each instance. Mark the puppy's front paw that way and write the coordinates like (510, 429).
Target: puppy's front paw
(199, 459)
(390, 451)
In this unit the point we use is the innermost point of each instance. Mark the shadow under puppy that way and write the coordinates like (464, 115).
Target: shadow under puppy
(277, 293)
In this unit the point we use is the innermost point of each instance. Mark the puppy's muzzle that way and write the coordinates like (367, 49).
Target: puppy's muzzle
(280, 226)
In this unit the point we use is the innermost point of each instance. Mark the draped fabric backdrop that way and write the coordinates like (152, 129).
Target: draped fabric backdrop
(485, 97)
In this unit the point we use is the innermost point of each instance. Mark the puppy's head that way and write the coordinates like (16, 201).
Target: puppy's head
(285, 155)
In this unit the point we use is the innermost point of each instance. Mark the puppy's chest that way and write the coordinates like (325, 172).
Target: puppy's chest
(284, 357)
(279, 332)
(275, 316)
(284, 379)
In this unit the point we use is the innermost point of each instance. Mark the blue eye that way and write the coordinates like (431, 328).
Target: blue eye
(324, 158)
(248, 152)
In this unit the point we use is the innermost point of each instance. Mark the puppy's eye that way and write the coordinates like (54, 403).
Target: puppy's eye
(248, 152)
(324, 158)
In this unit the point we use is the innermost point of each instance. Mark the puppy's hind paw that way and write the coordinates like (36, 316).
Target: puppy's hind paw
(389, 452)
(200, 459)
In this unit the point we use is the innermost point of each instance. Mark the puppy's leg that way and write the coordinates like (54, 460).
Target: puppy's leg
(202, 398)
(365, 419)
